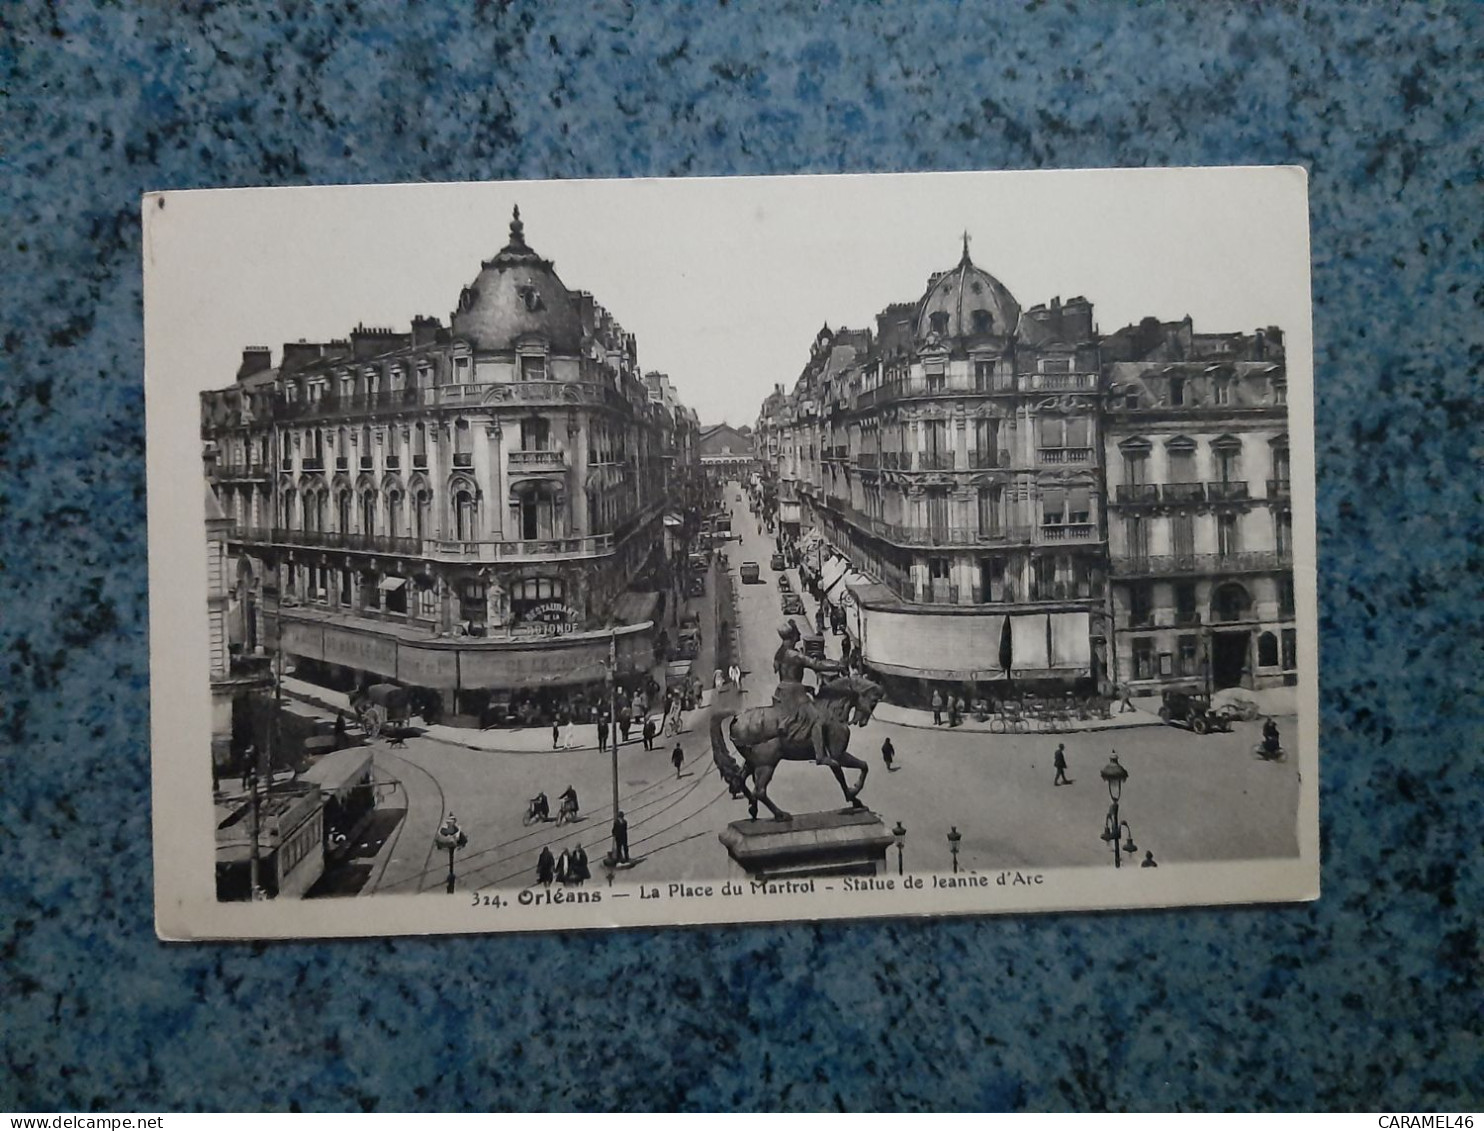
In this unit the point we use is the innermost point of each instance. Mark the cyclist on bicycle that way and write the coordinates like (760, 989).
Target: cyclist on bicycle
(569, 802)
(540, 808)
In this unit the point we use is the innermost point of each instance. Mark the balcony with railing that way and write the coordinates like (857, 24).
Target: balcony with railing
(892, 461)
(867, 461)
(934, 461)
(393, 463)
(338, 540)
(1183, 492)
(242, 471)
(1187, 618)
(389, 401)
(420, 461)
(533, 460)
(368, 463)
(1058, 382)
(1065, 455)
(1233, 491)
(1068, 532)
(342, 463)
(311, 463)
(1280, 489)
(463, 459)
(1136, 494)
(986, 458)
(523, 549)
(1162, 565)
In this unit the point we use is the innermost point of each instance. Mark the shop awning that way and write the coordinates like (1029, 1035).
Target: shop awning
(387, 584)
(833, 570)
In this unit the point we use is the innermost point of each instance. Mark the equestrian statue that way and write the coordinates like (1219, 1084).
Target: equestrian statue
(796, 727)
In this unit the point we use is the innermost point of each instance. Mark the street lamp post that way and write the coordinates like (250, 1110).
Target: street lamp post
(954, 836)
(900, 832)
(1114, 775)
(450, 838)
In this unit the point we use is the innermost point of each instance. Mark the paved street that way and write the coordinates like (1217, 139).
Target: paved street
(1188, 798)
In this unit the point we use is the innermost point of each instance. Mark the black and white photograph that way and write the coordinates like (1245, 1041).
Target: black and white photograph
(564, 555)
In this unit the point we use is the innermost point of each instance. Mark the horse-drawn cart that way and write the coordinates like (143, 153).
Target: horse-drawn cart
(381, 707)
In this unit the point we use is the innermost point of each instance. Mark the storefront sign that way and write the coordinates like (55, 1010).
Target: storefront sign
(550, 619)
(360, 650)
(427, 667)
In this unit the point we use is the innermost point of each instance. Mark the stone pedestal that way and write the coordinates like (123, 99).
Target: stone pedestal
(846, 842)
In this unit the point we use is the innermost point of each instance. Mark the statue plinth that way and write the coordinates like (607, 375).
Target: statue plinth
(847, 842)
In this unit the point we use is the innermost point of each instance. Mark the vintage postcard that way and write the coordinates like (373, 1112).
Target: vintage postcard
(558, 555)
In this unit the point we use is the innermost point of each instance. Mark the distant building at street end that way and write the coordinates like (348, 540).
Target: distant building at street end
(471, 508)
(949, 471)
(727, 452)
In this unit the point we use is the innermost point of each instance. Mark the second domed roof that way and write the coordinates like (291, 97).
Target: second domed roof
(966, 302)
(518, 294)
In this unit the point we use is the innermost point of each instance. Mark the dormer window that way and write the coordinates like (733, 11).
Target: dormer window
(1280, 390)
(461, 370)
(1223, 391)
(532, 368)
(532, 298)
(1177, 391)
(983, 323)
(938, 320)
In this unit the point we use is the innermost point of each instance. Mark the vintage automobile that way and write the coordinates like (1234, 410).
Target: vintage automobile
(751, 573)
(696, 586)
(793, 604)
(777, 562)
(1194, 712)
(814, 646)
(784, 584)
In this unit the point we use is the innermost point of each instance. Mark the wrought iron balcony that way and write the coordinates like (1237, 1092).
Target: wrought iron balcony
(934, 461)
(525, 549)
(1183, 492)
(367, 463)
(1137, 494)
(420, 461)
(1163, 565)
(981, 460)
(1229, 492)
(1280, 489)
(393, 463)
(867, 460)
(1058, 382)
(1187, 619)
(234, 470)
(463, 459)
(342, 463)
(310, 463)
(333, 540)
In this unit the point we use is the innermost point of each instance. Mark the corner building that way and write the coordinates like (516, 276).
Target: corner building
(952, 457)
(468, 509)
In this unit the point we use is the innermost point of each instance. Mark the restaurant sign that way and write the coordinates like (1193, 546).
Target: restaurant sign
(551, 618)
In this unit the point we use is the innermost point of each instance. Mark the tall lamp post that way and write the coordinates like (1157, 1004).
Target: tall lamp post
(954, 836)
(1114, 775)
(450, 838)
(900, 832)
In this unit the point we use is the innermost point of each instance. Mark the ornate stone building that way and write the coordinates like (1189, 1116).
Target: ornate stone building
(462, 508)
(952, 456)
(1201, 523)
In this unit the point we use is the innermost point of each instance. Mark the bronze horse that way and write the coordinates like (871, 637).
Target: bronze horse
(767, 735)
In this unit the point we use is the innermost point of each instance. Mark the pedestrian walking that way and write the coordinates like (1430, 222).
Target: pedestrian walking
(955, 710)
(625, 721)
(1059, 761)
(649, 729)
(888, 755)
(1124, 693)
(736, 674)
(564, 868)
(937, 708)
(579, 869)
(556, 731)
(339, 729)
(545, 867)
(620, 839)
(602, 732)
(677, 759)
(249, 766)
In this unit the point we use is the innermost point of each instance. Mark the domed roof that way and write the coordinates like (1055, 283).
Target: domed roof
(966, 302)
(518, 293)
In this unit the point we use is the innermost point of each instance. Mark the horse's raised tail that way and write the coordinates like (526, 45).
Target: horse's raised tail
(730, 769)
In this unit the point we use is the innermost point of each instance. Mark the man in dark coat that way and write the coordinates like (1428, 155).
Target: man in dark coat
(677, 759)
(625, 721)
(649, 732)
(579, 873)
(620, 839)
(1059, 760)
(545, 867)
(888, 755)
(602, 730)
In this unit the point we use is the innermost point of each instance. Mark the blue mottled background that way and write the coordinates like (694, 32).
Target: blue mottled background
(1369, 998)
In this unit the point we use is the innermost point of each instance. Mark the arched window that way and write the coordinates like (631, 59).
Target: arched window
(462, 444)
(422, 508)
(342, 512)
(420, 446)
(1177, 391)
(464, 514)
(394, 513)
(368, 513)
(1230, 602)
(938, 321)
(1267, 650)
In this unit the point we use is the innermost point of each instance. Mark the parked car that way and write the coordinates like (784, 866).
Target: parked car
(696, 586)
(776, 562)
(1192, 711)
(793, 605)
(784, 584)
(751, 573)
